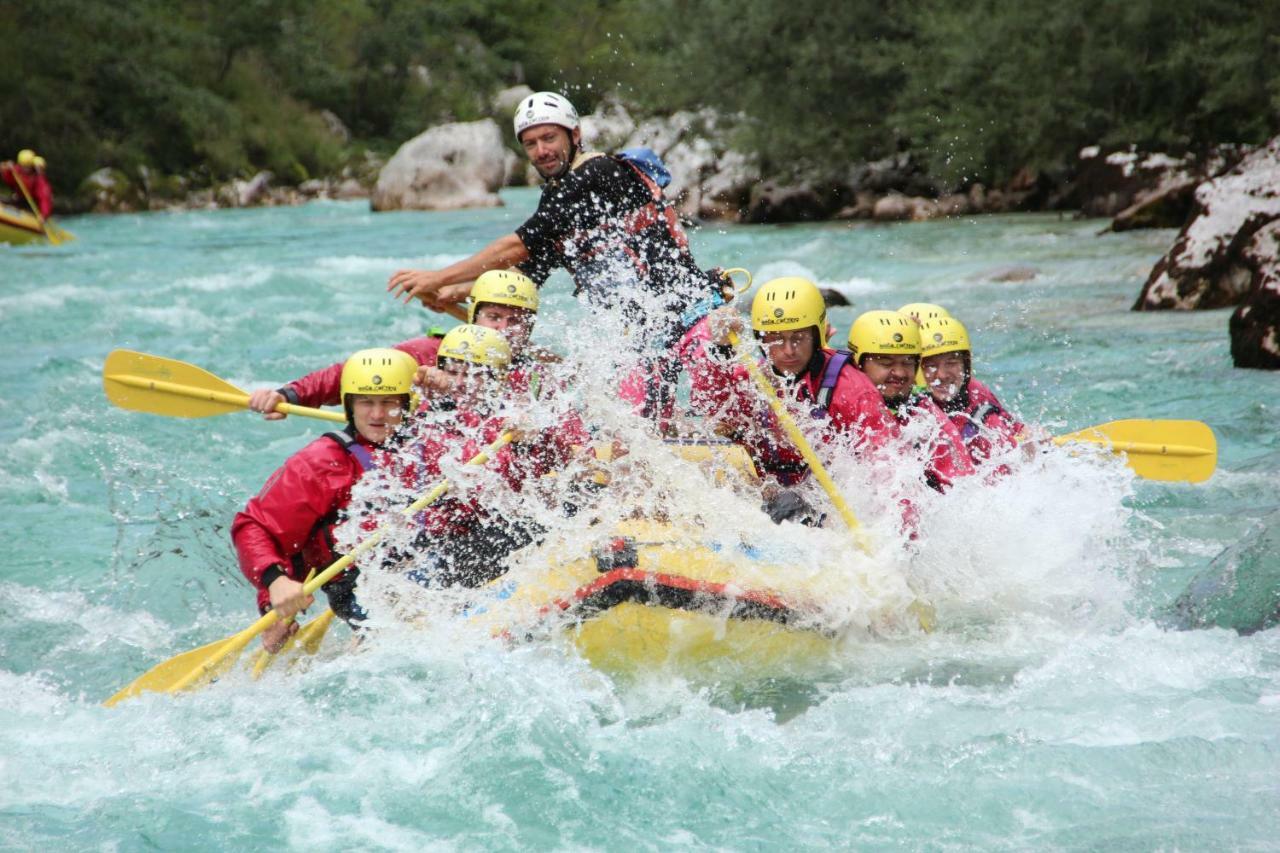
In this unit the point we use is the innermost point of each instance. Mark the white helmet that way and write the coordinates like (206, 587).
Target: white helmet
(545, 108)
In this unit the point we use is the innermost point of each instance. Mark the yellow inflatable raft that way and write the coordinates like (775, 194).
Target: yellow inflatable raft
(651, 596)
(658, 593)
(19, 226)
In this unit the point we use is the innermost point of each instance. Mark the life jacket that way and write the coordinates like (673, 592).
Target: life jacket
(826, 388)
(975, 420)
(319, 549)
(636, 221)
(789, 471)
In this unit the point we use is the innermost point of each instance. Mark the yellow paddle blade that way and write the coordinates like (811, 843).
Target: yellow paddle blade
(1172, 451)
(312, 633)
(165, 386)
(307, 640)
(159, 677)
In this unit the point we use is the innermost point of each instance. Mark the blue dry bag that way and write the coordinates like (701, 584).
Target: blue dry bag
(648, 161)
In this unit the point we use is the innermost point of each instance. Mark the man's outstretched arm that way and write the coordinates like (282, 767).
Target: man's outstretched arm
(425, 285)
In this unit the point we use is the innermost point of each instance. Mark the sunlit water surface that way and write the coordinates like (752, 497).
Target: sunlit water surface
(1055, 706)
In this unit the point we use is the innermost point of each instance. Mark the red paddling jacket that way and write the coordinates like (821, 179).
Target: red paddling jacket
(984, 426)
(288, 526)
(831, 389)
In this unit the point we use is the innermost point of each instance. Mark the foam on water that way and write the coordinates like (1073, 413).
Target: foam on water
(1048, 710)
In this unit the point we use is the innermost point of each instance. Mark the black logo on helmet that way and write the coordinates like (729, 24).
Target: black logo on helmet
(937, 337)
(511, 288)
(778, 312)
(376, 379)
(897, 337)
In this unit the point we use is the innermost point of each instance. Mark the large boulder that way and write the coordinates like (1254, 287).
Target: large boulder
(1212, 263)
(504, 103)
(726, 191)
(774, 201)
(608, 128)
(1166, 205)
(1144, 189)
(1107, 182)
(448, 167)
(109, 190)
(1255, 325)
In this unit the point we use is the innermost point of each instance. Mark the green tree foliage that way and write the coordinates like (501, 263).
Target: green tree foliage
(976, 88)
(995, 86)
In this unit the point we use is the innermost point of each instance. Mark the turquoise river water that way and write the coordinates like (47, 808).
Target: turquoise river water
(1058, 705)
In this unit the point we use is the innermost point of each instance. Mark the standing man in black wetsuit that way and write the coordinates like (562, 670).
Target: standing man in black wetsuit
(604, 219)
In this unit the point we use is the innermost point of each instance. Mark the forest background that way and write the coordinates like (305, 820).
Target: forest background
(978, 89)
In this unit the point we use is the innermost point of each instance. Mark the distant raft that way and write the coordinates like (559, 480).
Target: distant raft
(19, 227)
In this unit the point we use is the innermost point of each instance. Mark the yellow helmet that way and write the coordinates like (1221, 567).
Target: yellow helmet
(945, 334)
(379, 371)
(503, 287)
(921, 311)
(785, 304)
(38, 162)
(26, 158)
(476, 345)
(883, 333)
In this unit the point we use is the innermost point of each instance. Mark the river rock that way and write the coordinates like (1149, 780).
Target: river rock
(608, 128)
(772, 201)
(726, 192)
(109, 190)
(1212, 263)
(893, 207)
(349, 188)
(1164, 206)
(1255, 325)
(1107, 182)
(250, 191)
(448, 167)
(504, 103)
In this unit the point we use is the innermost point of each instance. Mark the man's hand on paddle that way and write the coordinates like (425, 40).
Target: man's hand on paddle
(265, 400)
(286, 599)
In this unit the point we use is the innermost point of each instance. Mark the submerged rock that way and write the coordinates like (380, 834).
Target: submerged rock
(1211, 264)
(448, 167)
(1015, 273)
(1240, 590)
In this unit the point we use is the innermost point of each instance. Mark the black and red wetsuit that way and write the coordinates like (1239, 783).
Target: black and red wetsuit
(607, 223)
